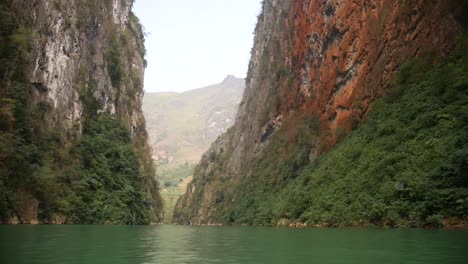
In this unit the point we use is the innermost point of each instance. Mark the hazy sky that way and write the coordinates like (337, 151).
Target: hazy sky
(195, 43)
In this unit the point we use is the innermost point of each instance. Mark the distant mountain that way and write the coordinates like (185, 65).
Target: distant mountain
(181, 126)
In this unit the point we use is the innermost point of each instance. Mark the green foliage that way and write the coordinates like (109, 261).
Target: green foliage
(109, 187)
(405, 167)
(19, 155)
(91, 104)
(137, 30)
(90, 15)
(173, 175)
(114, 62)
(97, 181)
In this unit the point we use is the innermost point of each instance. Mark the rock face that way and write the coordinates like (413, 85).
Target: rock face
(68, 45)
(82, 58)
(321, 61)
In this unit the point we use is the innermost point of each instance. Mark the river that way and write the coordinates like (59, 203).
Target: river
(69, 244)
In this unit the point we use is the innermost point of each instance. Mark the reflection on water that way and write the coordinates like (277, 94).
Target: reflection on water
(180, 244)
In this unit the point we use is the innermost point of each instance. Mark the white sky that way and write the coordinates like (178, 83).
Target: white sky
(195, 43)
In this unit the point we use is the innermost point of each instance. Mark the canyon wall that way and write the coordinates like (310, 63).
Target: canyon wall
(68, 67)
(316, 69)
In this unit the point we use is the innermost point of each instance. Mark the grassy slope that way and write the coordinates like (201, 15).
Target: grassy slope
(406, 166)
(177, 122)
(170, 196)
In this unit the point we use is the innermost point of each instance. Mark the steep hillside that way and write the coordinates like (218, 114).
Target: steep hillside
(72, 134)
(181, 127)
(316, 71)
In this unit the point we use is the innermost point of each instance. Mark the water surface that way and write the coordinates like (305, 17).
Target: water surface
(180, 244)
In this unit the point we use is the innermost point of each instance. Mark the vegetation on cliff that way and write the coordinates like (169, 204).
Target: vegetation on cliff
(405, 166)
(97, 172)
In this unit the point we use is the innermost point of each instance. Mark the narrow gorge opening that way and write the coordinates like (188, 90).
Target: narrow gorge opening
(198, 54)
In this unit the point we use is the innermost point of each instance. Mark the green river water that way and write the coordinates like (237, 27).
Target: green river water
(64, 244)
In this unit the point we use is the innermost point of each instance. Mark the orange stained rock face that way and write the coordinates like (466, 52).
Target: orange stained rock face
(345, 52)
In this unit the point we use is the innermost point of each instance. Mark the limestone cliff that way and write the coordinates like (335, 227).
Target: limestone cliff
(315, 71)
(66, 65)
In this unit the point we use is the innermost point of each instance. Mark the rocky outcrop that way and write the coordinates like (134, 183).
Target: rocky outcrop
(315, 63)
(70, 45)
(84, 58)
